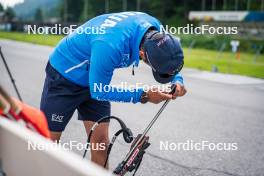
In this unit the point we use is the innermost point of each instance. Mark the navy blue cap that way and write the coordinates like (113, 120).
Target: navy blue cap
(164, 54)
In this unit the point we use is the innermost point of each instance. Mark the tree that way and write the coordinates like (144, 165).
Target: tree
(10, 13)
(71, 11)
(1, 8)
(87, 11)
(39, 15)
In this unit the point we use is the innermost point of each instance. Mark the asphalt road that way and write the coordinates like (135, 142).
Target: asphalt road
(217, 108)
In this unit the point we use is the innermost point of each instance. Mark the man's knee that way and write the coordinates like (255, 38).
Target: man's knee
(100, 134)
(100, 138)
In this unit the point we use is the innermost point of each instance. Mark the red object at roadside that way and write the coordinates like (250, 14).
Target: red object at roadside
(33, 118)
(238, 55)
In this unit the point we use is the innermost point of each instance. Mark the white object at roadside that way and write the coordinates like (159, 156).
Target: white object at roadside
(234, 44)
(16, 159)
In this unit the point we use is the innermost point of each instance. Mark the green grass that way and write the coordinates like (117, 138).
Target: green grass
(227, 63)
(202, 59)
(50, 40)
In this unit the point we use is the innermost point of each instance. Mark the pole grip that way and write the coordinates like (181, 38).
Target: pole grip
(173, 88)
(14, 107)
(4, 105)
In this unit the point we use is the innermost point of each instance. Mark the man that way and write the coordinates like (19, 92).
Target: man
(83, 61)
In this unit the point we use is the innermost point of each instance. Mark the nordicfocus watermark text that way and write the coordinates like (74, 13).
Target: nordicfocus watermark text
(200, 30)
(72, 145)
(198, 146)
(124, 87)
(59, 29)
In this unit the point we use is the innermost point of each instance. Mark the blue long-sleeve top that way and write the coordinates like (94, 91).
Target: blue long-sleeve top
(111, 41)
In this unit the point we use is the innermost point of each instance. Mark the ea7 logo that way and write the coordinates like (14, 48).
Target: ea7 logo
(56, 118)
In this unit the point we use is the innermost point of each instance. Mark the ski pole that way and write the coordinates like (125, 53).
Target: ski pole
(173, 88)
(10, 75)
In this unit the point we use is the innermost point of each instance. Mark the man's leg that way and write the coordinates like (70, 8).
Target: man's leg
(100, 136)
(90, 111)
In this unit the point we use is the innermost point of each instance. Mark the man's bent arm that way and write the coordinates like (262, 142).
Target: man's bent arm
(103, 62)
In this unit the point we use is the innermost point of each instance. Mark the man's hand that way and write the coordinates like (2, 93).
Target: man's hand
(180, 91)
(155, 96)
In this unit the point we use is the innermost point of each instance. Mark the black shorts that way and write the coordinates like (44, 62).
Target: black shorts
(60, 98)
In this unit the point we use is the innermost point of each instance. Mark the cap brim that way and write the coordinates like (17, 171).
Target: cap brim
(162, 79)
